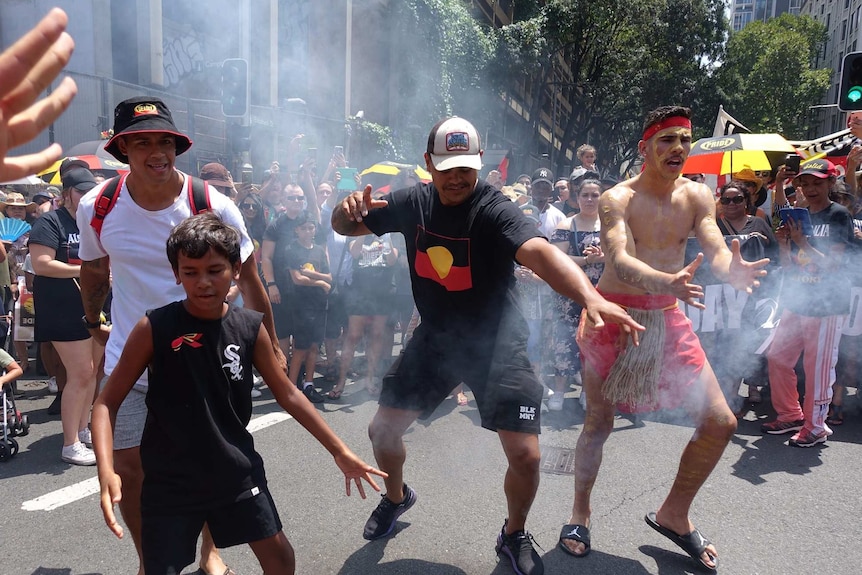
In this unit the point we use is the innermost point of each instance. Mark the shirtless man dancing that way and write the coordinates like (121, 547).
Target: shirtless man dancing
(646, 221)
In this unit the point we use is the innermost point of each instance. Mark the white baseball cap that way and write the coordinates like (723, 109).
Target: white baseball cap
(454, 143)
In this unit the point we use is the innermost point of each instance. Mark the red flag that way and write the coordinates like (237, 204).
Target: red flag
(503, 168)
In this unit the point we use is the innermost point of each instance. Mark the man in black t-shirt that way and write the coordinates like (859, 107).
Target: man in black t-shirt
(463, 238)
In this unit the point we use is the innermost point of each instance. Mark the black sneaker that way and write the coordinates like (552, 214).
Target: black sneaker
(518, 547)
(382, 520)
(780, 427)
(312, 394)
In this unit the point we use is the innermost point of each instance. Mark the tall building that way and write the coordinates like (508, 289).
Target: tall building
(743, 12)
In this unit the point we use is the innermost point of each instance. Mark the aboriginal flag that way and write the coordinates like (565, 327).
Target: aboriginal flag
(444, 260)
(503, 168)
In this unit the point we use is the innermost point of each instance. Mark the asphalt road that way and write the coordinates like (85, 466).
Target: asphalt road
(769, 508)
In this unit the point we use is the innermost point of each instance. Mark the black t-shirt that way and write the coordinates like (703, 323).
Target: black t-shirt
(196, 451)
(59, 231)
(299, 257)
(809, 290)
(282, 231)
(461, 258)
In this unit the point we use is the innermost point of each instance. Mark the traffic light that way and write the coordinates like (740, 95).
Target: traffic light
(238, 138)
(850, 89)
(234, 87)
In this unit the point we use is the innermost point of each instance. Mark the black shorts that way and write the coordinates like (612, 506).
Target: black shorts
(500, 376)
(367, 299)
(283, 318)
(169, 541)
(308, 327)
(336, 315)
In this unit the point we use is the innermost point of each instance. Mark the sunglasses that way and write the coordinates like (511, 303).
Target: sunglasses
(248, 206)
(294, 198)
(734, 199)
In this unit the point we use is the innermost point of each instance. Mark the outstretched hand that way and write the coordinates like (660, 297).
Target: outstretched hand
(603, 310)
(27, 68)
(357, 205)
(744, 275)
(356, 470)
(681, 287)
(112, 493)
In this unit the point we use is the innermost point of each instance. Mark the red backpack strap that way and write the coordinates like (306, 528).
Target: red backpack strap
(199, 198)
(105, 202)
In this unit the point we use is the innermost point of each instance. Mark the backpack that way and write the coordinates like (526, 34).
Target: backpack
(199, 200)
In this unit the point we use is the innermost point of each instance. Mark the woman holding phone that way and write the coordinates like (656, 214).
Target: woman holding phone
(757, 241)
(815, 298)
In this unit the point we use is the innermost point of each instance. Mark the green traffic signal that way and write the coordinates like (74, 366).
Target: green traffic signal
(850, 86)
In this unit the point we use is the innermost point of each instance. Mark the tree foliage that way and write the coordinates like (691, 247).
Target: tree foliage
(613, 60)
(440, 55)
(767, 78)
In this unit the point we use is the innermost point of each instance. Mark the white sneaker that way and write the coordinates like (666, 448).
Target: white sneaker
(78, 454)
(255, 392)
(256, 380)
(555, 402)
(85, 437)
(52, 385)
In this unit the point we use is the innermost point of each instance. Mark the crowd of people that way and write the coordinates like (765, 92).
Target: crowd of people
(522, 292)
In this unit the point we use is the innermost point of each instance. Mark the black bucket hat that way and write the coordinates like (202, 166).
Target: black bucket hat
(143, 114)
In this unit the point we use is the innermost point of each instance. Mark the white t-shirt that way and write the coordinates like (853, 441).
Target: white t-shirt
(134, 239)
(549, 220)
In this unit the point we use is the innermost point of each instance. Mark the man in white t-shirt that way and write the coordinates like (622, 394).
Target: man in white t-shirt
(130, 252)
(541, 190)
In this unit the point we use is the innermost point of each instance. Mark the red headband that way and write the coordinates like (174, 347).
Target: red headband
(672, 122)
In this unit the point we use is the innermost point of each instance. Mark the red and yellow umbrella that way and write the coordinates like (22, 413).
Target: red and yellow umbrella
(388, 168)
(109, 166)
(728, 154)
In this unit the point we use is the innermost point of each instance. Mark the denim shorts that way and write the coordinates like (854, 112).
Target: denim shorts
(131, 418)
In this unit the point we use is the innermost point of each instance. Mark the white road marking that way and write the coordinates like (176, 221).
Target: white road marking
(82, 489)
(63, 496)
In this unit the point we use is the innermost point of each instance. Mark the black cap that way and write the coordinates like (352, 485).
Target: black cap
(79, 178)
(73, 162)
(45, 195)
(580, 174)
(543, 175)
(143, 114)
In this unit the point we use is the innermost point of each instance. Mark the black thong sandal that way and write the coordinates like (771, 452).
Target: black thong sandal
(575, 532)
(692, 543)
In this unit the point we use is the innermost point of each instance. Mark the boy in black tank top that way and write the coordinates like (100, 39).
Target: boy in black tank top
(199, 460)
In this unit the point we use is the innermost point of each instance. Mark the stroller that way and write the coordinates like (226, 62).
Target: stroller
(14, 423)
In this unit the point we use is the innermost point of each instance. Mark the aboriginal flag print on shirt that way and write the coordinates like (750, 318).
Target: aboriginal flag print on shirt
(443, 260)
